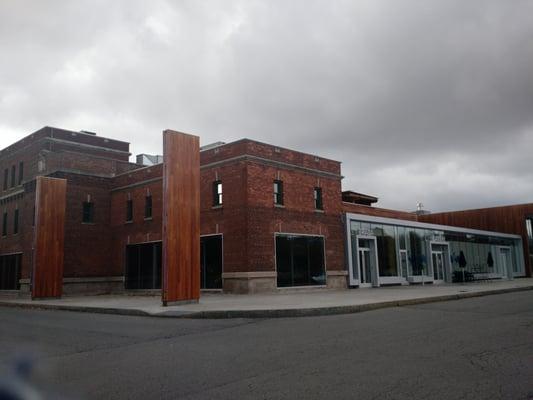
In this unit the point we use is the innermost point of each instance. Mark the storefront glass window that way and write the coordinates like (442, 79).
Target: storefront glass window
(418, 256)
(387, 252)
(401, 237)
(300, 260)
(403, 251)
(355, 226)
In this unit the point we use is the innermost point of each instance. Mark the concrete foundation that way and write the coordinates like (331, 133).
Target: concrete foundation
(337, 279)
(83, 286)
(249, 282)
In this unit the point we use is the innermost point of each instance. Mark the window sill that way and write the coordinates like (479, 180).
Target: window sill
(219, 207)
(279, 206)
(128, 222)
(319, 211)
(148, 218)
(88, 223)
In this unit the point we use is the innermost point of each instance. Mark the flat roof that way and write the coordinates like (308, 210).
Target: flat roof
(359, 196)
(425, 225)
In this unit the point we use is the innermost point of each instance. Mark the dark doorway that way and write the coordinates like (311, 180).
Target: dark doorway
(143, 266)
(211, 262)
(10, 272)
(300, 260)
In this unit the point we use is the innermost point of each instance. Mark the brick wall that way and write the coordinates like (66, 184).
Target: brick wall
(22, 241)
(135, 185)
(87, 245)
(248, 218)
(269, 152)
(57, 153)
(298, 215)
(230, 218)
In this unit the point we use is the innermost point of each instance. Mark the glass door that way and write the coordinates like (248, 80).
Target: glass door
(440, 262)
(506, 264)
(364, 266)
(367, 261)
(437, 258)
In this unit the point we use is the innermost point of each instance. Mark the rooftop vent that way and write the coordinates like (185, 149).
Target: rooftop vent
(420, 210)
(88, 133)
(212, 146)
(148, 159)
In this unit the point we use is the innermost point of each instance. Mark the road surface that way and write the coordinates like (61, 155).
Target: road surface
(479, 348)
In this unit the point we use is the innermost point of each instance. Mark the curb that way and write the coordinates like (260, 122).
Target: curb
(276, 313)
(95, 310)
(338, 310)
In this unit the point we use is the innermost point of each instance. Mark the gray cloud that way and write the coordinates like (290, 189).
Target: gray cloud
(422, 101)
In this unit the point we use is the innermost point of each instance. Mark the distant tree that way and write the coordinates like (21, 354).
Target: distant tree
(490, 260)
(462, 260)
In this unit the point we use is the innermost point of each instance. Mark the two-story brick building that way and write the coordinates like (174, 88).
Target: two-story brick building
(270, 218)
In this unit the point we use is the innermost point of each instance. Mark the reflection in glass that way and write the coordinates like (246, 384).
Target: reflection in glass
(405, 251)
(300, 260)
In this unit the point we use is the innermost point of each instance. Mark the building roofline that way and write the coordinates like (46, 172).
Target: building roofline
(427, 225)
(483, 208)
(48, 132)
(85, 134)
(278, 147)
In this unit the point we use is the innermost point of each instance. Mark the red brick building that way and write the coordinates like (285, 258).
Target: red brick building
(113, 223)
(270, 217)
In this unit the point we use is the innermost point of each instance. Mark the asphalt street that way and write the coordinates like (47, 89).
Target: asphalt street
(479, 348)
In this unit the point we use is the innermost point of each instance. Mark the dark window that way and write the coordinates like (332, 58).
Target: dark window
(143, 266)
(4, 224)
(88, 212)
(386, 248)
(217, 193)
(129, 210)
(278, 192)
(148, 207)
(211, 262)
(10, 272)
(13, 175)
(418, 257)
(16, 222)
(21, 172)
(300, 261)
(6, 178)
(318, 198)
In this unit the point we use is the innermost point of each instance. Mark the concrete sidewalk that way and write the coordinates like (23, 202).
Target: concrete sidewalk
(291, 303)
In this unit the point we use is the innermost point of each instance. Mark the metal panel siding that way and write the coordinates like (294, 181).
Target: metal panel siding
(181, 217)
(49, 238)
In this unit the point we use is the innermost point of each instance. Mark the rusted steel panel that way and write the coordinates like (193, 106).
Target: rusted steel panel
(181, 217)
(49, 237)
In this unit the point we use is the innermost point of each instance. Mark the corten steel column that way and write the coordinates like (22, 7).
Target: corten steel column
(181, 218)
(49, 238)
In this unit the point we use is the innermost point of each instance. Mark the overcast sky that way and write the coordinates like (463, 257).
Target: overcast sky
(428, 101)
